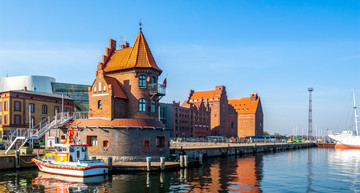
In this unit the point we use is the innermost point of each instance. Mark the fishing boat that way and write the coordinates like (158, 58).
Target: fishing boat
(348, 139)
(71, 159)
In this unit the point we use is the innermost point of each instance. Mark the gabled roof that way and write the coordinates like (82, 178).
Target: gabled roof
(245, 105)
(138, 56)
(117, 91)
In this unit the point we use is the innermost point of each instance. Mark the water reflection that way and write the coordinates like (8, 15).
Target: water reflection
(58, 183)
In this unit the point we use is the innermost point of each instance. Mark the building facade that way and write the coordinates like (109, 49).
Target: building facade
(123, 106)
(77, 92)
(223, 119)
(166, 116)
(250, 115)
(18, 107)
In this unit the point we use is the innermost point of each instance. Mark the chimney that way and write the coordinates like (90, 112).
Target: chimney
(124, 45)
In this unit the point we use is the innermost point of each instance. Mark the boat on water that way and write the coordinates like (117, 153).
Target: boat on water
(71, 159)
(348, 139)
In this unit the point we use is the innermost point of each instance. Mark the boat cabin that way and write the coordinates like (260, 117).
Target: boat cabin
(68, 153)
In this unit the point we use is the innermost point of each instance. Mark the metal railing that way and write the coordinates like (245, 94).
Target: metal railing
(157, 89)
(42, 128)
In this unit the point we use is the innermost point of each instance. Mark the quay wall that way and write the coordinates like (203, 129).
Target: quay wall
(193, 151)
(8, 162)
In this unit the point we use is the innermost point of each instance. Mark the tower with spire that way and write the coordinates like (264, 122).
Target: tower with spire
(123, 105)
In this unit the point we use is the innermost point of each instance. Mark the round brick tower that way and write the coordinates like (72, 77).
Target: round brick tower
(123, 105)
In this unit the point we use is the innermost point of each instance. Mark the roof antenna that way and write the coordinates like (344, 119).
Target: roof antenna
(140, 24)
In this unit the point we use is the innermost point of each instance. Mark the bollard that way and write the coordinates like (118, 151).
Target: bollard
(200, 158)
(162, 163)
(148, 163)
(17, 159)
(181, 161)
(185, 161)
(110, 163)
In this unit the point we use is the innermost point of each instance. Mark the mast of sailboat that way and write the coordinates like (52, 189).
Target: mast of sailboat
(355, 116)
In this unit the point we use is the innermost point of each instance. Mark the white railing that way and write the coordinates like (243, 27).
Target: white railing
(42, 128)
(158, 89)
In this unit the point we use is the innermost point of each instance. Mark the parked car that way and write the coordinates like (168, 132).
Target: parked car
(2, 146)
(36, 144)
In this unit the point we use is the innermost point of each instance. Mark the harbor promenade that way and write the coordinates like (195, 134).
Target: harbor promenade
(195, 153)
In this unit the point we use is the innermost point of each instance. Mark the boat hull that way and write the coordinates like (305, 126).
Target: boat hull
(72, 170)
(343, 146)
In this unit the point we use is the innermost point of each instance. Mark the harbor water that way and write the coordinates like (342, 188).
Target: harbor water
(302, 170)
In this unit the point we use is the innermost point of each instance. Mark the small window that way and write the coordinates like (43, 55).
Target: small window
(56, 110)
(0, 106)
(104, 88)
(94, 88)
(5, 119)
(17, 119)
(0, 120)
(5, 106)
(53, 157)
(99, 104)
(160, 141)
(142, 81)
(105, 143)
(72, 149)
(153, 106)
(17, 106)
(232, 124)
(146, 143)
(46, 157)
(99, 86)
(142, 105)
(91, 140)
(32, 107)
(44, 109)
(84, 149)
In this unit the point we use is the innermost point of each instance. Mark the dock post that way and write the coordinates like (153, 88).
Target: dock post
(200, 158)
(185, 161)
(110, 163)
(17, 159)
(148, 163)
(181, 161)
(162, 163)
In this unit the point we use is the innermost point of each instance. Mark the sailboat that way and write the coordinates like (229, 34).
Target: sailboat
(348, 139)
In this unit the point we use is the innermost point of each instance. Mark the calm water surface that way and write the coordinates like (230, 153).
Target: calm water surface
(306, 170)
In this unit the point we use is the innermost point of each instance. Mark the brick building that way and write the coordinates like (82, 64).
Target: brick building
(14, 108)
(223, 118)
(191, 120)
(250, 115)
(123, 105)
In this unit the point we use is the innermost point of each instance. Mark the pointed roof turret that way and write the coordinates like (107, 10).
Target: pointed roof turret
(138, 56)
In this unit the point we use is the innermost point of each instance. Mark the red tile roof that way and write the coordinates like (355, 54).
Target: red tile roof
(138, 56)
(203, 95)
(117, 123)
(245, 105)
(117, 91)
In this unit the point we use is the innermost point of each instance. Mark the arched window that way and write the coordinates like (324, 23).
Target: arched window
(142, 105)
(99, 104)
(153, 80)
(153, 106)
(142, 81)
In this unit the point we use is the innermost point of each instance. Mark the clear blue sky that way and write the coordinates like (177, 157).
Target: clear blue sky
(275, 48)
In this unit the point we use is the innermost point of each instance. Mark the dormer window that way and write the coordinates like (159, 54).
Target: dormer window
(142, 81)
